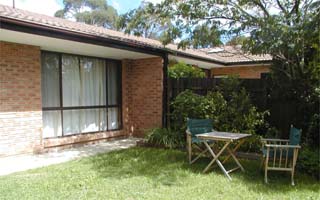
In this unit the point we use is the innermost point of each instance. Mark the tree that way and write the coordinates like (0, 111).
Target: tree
(94, 12)
(141, 22)
(286, 29)
(237, 40)
(148, 22)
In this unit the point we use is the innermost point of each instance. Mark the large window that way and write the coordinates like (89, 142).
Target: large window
(79, 94)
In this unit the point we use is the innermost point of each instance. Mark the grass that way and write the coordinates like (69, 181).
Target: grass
(146, 173)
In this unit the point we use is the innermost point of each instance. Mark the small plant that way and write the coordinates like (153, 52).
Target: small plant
(165, 137)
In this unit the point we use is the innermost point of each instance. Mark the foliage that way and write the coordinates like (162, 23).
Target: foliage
(309, 162)
(148, 21)
(229, 107)
(149, 173)
(237, 40)
(132, 23)
(94, 12)
(182, 70)
(312, 133)
(165, 137)
(190, 105)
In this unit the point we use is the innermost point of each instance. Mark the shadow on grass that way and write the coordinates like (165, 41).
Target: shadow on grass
(170, 167)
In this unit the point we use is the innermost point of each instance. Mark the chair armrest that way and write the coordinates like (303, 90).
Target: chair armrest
(273, 140)
(283, 146)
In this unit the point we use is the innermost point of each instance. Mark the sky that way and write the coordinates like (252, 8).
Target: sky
(49, 7)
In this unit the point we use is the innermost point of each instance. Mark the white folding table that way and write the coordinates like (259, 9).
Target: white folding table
(227, 138)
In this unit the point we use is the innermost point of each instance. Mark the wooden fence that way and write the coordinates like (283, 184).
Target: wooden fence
(280, 112)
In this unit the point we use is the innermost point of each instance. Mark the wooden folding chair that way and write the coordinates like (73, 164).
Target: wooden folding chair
(194, 127)
(280, 154)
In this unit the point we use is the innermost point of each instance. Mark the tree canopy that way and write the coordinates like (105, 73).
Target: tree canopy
(94, 12)
(142, 22)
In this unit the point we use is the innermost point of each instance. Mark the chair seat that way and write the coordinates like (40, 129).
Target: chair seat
(271, 153)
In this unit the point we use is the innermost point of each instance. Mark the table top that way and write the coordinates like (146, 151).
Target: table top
(224, 136)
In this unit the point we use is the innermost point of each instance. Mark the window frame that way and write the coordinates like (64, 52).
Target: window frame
(61, 108)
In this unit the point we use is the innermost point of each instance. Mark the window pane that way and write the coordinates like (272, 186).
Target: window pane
(113, 118)
(51, 123)
(93, 82)
(113, 83)
(84, 81)
(84, 121)
(50, 80)
(71, 86)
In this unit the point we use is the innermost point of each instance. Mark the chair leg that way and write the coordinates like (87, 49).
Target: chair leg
(292, 177)
(189, 149)
(266, 175)
(266, 169)
(295, 157)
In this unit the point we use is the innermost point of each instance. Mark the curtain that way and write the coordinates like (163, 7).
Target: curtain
(113, 83)
(84, 84)
(50, 80)
(113, 95)
(50, 95)
(84, 121)
(51, 123)
(113, 118)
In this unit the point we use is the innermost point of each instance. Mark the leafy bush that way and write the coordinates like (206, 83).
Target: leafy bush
(165, 137)
(312, 133)
(309, 162)
(230, 109)
(182, 70)
(190, 105)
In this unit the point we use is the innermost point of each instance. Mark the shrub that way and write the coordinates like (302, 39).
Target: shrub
(230, 109)
(182, 70)
(165, 137)
(309, 162)
(190, 105)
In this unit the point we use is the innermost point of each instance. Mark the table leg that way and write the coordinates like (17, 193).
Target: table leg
(235, 159)
(215, 158)
(233, 150)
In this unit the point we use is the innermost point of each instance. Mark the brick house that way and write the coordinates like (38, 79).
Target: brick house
(236, 62)
(64, 83)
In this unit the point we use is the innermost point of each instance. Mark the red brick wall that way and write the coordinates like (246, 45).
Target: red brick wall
(145, 87)
(20, 99)
(21, 110)
(253, 72)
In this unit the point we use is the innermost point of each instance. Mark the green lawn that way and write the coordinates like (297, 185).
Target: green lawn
(146, 173)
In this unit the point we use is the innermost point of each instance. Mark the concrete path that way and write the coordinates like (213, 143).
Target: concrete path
(13, 164)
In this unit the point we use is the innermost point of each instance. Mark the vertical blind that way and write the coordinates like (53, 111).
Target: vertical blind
(79, 94)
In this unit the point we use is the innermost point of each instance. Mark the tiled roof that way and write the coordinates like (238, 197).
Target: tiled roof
(63, 24)
(231, 54)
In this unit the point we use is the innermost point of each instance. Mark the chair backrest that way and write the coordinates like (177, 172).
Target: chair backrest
(198, 126)
(295, 136)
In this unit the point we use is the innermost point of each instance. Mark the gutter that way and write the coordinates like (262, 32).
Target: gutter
(37, 29)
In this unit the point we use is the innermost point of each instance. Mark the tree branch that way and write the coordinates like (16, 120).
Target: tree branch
(282, 8)
(263, 8)
(295, 8)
